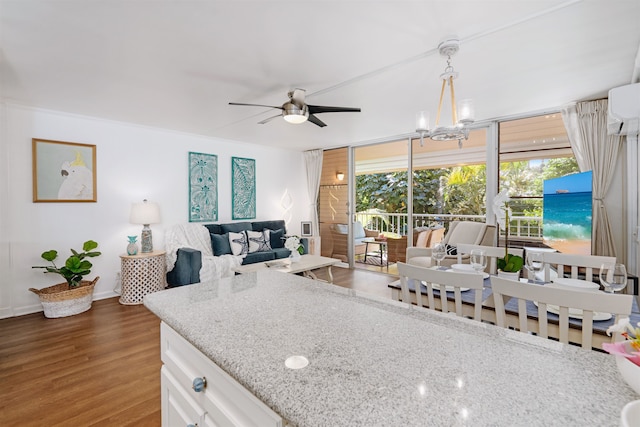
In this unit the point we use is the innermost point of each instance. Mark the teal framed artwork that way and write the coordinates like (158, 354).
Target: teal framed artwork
(243, 182)
(203, 187)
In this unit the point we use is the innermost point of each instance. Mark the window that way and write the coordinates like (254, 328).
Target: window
(532, 150)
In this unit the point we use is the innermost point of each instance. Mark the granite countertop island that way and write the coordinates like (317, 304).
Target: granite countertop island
(376, 362)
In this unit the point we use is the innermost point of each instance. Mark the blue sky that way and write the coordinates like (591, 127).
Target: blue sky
(575, 183)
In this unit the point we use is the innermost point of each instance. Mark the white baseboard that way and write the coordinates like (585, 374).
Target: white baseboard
(6, 312)
(27, 309)
(35, 308)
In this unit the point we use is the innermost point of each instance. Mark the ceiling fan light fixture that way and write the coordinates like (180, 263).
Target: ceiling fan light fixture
(461, 117)
(292, 113)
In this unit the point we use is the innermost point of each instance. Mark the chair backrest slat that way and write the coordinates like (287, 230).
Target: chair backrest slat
(558, 261)
(441, 281)
(565, 299)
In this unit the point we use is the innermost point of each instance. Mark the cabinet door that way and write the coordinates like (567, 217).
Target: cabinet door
(178, 408)
(224, 400)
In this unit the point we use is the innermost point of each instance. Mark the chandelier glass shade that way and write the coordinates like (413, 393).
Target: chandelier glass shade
(461, 117)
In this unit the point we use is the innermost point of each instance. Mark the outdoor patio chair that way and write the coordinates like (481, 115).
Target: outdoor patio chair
(474, 233)
(340, 239)
(397, 249)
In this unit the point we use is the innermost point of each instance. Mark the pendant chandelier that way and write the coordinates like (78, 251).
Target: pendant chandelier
(460, 118)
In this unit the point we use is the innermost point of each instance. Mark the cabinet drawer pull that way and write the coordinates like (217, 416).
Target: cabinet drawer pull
(192, 425)
(199, 384)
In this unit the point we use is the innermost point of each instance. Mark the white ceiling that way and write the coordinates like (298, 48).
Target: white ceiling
(176, 64)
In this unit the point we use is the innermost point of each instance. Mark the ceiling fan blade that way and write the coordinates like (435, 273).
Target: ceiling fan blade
(316, 121)
(255, 105)
(269, 119)
(315, 109)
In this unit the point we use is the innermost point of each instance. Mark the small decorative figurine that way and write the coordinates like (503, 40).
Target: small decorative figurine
(132, 247)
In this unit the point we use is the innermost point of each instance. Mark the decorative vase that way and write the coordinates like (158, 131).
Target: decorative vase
(511, 275)
(295, 256)
(132, 247)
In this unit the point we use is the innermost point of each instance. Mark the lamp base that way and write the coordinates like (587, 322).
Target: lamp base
(146, 240)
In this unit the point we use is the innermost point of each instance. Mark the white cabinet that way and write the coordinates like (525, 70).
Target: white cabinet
(222, 401)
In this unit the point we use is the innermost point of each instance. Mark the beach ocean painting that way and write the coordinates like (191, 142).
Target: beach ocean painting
(567, 213)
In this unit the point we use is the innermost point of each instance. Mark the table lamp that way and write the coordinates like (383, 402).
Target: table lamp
(145, 213)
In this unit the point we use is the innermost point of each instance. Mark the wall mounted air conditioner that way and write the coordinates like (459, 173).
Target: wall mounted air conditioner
(624, 110)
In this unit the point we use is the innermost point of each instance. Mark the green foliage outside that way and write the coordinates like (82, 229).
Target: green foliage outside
(460, 190)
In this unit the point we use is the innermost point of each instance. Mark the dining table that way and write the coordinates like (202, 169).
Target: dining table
(600, 325)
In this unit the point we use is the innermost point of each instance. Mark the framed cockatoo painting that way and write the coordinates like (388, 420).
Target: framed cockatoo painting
(63, 171)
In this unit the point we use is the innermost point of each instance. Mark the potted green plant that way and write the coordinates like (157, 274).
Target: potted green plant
(75, 295)
(509, 266)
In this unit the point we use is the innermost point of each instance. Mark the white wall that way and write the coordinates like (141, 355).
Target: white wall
(133, 163)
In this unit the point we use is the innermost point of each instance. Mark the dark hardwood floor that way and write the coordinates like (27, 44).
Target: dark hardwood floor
(101, 367)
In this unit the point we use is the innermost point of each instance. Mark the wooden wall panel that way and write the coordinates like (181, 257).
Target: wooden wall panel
(334, 161)
(333, 196)
(333, 204)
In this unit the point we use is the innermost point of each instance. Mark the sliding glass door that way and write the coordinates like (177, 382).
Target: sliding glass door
(381, 192)
(449, 182)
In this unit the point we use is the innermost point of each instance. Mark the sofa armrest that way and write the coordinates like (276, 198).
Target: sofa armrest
(187, 268)
(413, 252)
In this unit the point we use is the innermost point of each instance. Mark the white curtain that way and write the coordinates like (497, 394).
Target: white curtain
(586, 124)
(313, 160)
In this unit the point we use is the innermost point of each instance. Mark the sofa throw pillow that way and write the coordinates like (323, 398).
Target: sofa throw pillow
(257, 241)
(276, 237)
(358, 230)
(238, 243)
(220, 244)
(451, 250)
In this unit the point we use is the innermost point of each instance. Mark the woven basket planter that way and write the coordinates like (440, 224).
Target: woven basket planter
(60, 301)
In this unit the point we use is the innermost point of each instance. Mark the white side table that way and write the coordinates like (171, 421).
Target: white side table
(142, 274)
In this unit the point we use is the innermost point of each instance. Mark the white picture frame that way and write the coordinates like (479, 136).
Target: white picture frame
(306, 229)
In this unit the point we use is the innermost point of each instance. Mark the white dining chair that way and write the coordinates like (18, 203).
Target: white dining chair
(441, 281)
(563, 299)
(558, 261)
(492, 253)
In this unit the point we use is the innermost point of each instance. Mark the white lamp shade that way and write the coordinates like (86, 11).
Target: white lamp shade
(144, 213)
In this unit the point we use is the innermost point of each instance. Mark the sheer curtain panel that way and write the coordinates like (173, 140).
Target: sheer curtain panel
(586, 124)
(313, 160)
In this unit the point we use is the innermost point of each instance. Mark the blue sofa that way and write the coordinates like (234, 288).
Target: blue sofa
(189, 260)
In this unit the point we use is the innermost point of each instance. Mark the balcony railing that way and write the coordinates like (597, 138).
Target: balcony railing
(525, 227)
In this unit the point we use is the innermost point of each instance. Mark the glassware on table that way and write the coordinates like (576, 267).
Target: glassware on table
(613, 276)
(535, 264)
(478, 260)
(438, 253)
